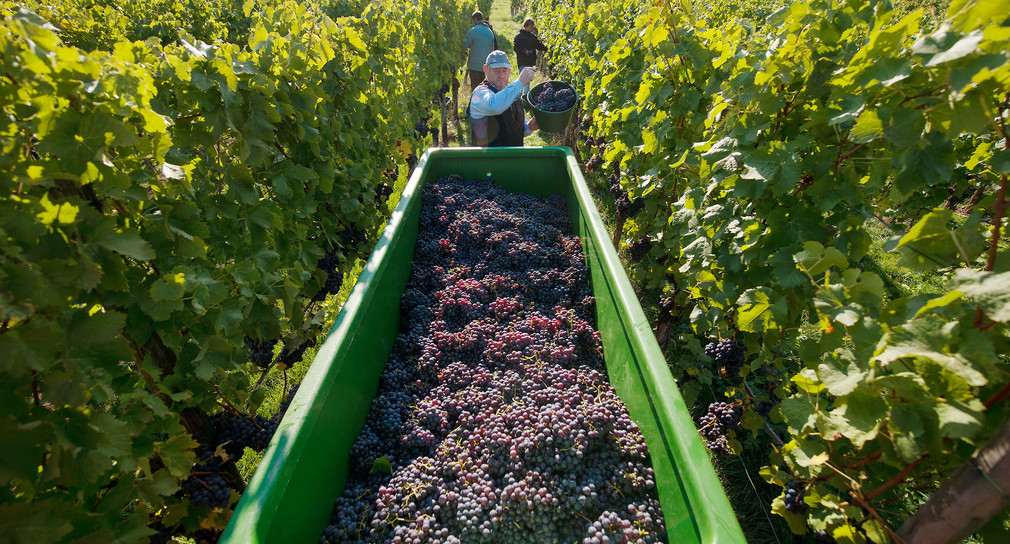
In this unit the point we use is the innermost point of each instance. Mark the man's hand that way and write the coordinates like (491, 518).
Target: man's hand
(526, 76)
(533, 124)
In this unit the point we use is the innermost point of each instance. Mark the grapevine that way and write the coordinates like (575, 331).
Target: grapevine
(767, 156)
(173, 174)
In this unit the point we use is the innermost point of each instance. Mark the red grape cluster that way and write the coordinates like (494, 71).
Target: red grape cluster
(728, 356)
(721, 418)
(626, 207)
(639, 248)
(554, 100)
(494, 408)
(794, 497)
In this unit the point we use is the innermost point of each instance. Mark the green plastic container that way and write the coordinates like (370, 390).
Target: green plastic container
(550, 121)
(290, 497)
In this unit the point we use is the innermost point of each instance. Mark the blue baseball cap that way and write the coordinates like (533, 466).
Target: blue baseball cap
(498, 59)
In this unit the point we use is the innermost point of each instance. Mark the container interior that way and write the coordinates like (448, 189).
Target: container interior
(290, 497)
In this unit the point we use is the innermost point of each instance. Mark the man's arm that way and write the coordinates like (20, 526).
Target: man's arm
(485, 102)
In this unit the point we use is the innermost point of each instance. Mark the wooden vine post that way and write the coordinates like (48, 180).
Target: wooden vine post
(975, 493)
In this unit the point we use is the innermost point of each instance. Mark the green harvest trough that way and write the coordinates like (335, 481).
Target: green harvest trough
(290, 497)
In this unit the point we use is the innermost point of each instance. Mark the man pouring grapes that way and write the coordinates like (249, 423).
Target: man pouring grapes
(496, 113)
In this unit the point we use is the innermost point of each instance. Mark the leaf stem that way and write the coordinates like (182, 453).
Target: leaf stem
(873, 512)
(897, 479)
(227, 403)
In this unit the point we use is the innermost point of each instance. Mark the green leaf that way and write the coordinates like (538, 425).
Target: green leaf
(807, 453)
(1000, 161)
(906, 386)
(381, 464)
(932, 338)
(62, 213)
(933, 243)
(857, 416)
(128, 243)
(907, 432)
(34, 522)
(944, 46)
(799, 414)
(958, 420)
(815, 259)
(177, 454)
(758, 312)
(99, 337)
(867, 128)
(989, 290)
(840, 375)
(168, 287)
(24, 449)
(797, 523)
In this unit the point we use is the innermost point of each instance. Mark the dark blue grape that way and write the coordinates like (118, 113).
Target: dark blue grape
(206, 485)
(261, 352)
(728, 356)
(793, 497)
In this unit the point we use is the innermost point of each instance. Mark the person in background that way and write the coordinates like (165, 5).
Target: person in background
(479, 41)
(487, 23)
(526, 44)
(496, 112)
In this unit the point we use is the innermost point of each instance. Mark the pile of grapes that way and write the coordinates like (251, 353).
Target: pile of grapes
(549, 99)
(494, 411)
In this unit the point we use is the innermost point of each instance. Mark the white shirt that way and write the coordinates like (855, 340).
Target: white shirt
(484, 102)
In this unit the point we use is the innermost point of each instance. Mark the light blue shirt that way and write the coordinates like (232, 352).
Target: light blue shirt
(480, 40)
(484, 103)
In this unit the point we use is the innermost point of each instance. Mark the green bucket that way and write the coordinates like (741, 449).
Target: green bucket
(550, 121)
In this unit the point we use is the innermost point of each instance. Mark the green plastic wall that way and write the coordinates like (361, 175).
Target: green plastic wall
(289, 499)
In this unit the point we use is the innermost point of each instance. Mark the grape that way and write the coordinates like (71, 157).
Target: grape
(205, 536)
(552, 100)
(353, 236)
(206, 485)
(236, 433)
(162, 535)
(721, 418)
(668, 305)
(382, 192)
(261, 352)
(421, 128)
(763, 408)
(823, 537)
(639, 248)
(728, 356)
(290, 357)
(494, 409)
(626, 207)
(794, 497)
(334, 278)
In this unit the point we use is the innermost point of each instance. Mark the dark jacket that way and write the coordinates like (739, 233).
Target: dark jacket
(526, 46)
